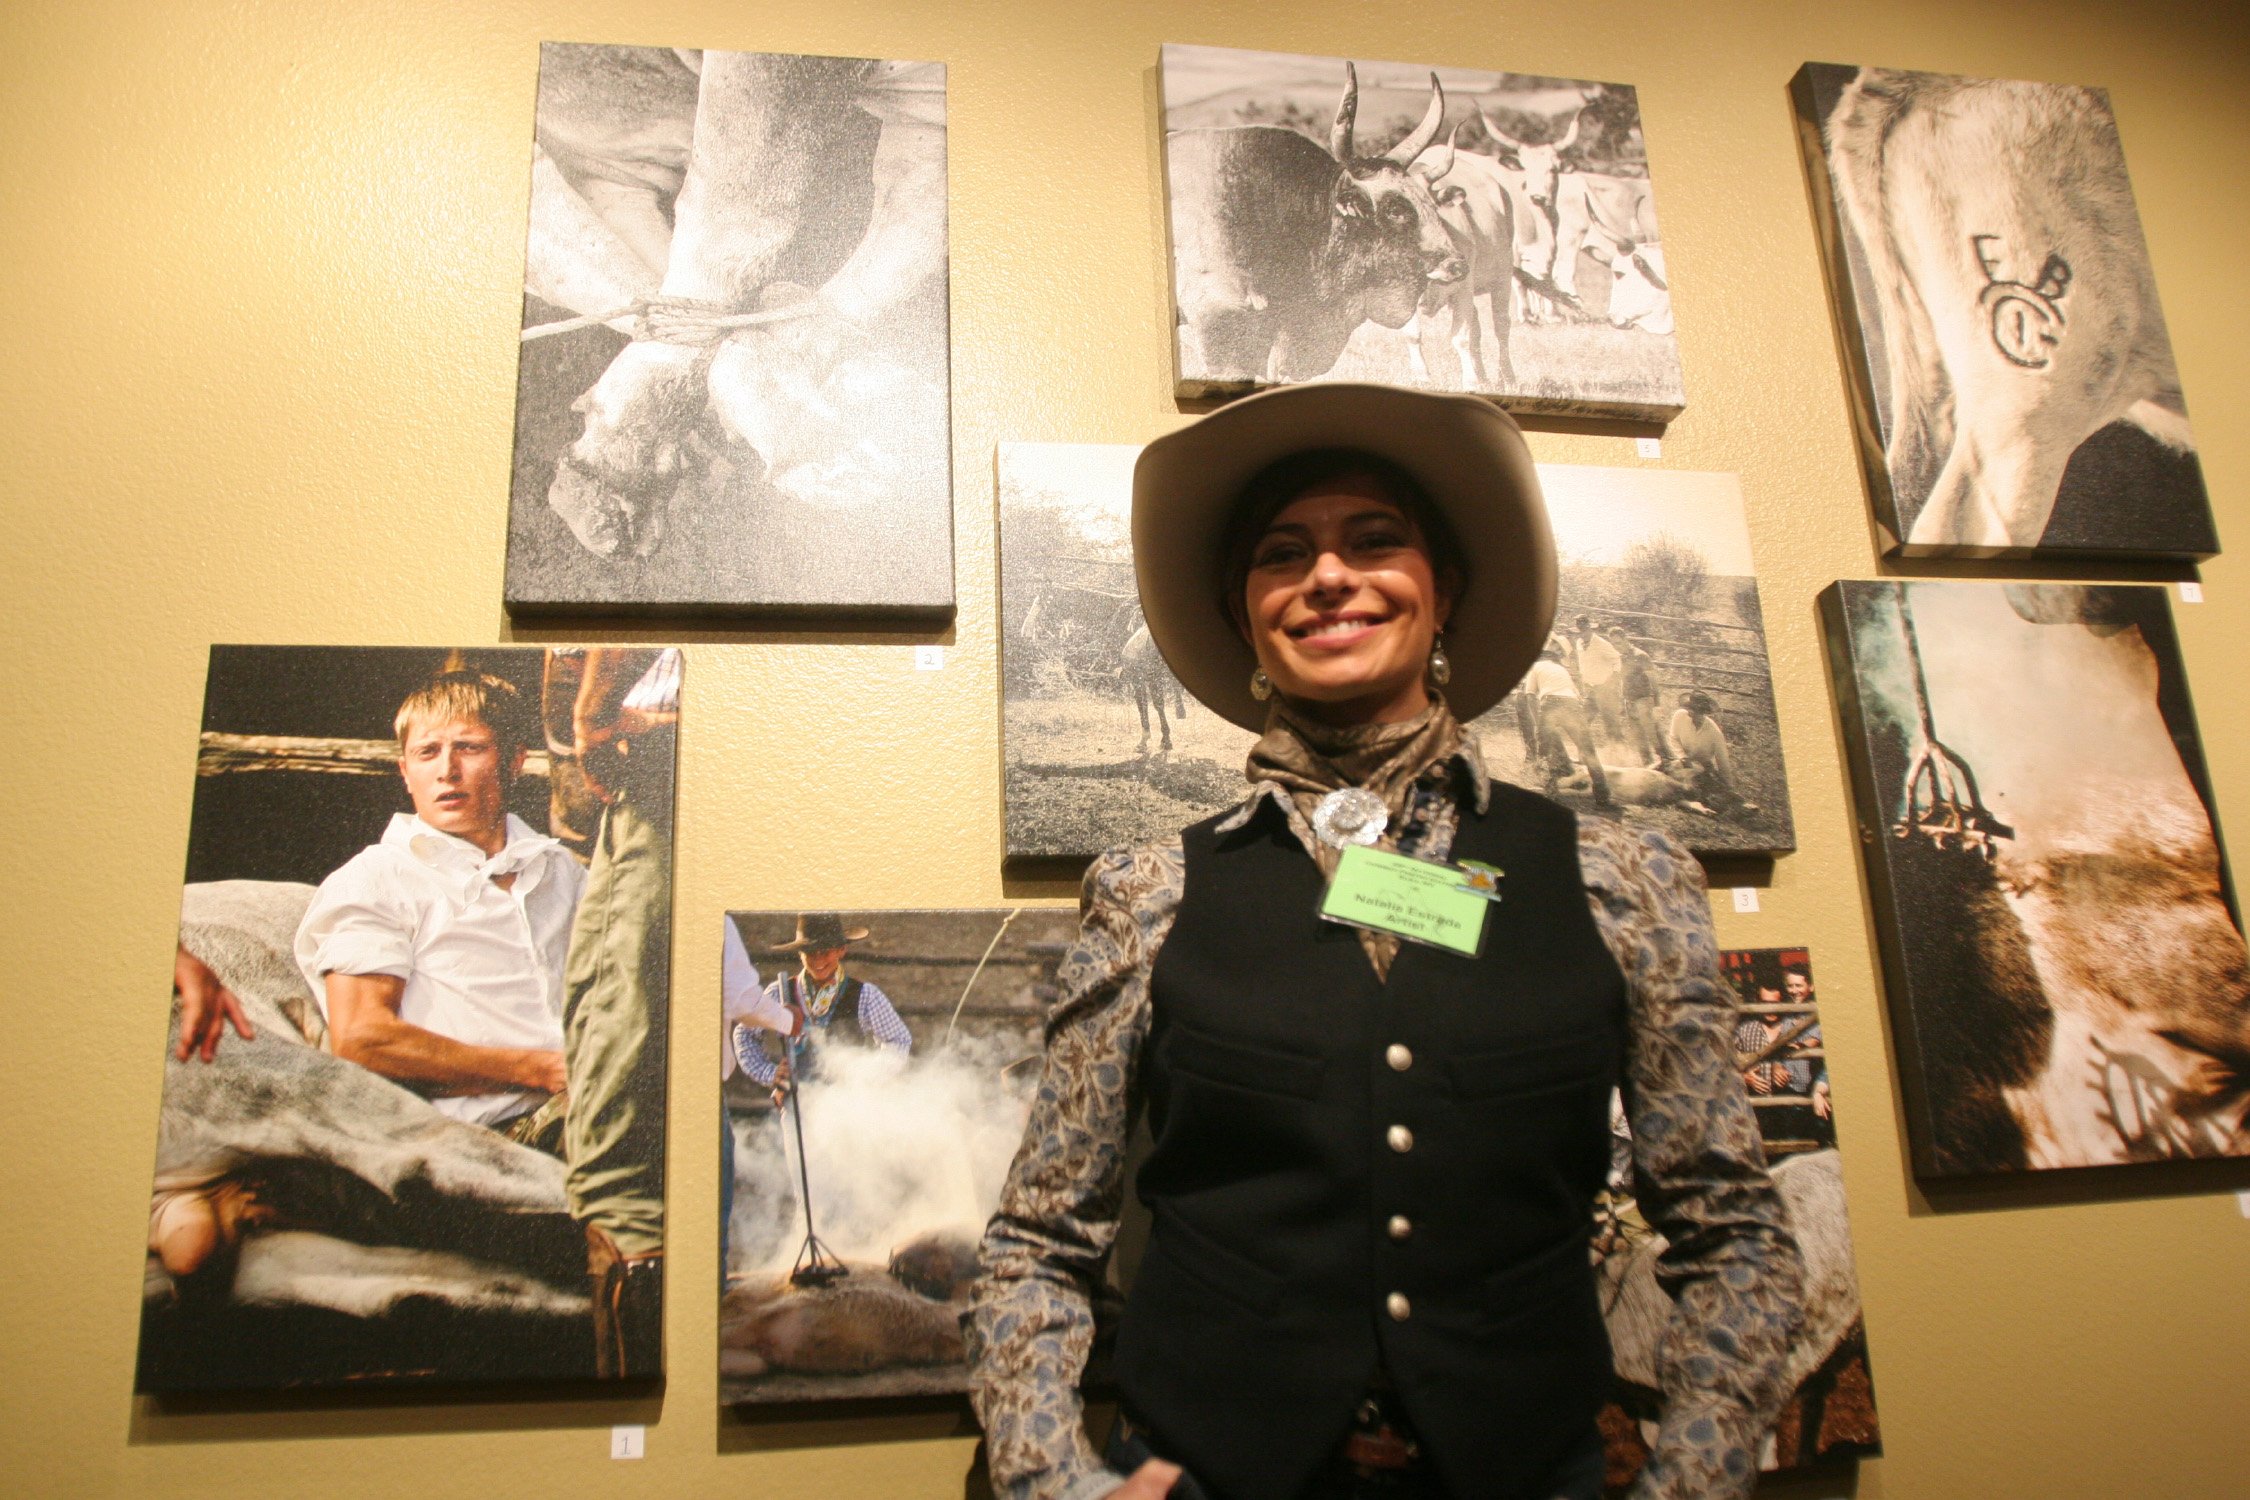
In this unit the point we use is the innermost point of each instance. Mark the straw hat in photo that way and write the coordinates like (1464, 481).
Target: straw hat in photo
(1467, 454)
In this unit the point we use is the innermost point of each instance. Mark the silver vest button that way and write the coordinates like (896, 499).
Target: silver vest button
(1400, 1226)
(1398, 1307)
(1401, 1139)
(1398, 1057)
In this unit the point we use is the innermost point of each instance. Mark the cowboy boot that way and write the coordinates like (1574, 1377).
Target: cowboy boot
(628, 1294)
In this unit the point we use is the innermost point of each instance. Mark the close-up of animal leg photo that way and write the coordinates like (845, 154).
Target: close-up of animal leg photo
(734, 385)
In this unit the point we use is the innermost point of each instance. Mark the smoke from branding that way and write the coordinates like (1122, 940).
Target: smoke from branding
(896, 1149)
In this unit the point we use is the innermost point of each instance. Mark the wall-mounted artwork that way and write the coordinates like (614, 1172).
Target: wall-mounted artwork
(734, 388)
(1784, 1063)
(879, 1067)
(1654, 701)
(413, 1117)
(2012, 379)
(1439, 227)
(2065, 968)
(1655, 705)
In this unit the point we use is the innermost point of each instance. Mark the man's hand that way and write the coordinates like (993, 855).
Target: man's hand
(781, 1078)
(207, 1008)
(545, 1071)
(1153, 1480)
(1820, 1105)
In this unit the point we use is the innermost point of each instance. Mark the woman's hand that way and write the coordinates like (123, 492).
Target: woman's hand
(1153, 1480)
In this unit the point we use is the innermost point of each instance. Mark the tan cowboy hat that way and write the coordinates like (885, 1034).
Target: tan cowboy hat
(1467, 453)
(819, 930)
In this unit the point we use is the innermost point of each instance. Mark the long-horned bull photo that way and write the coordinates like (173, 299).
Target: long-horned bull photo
(1281, 249)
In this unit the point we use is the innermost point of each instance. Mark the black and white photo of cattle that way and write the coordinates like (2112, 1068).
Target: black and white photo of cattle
(734, 392)
(2014, 385)
(899, 1150)
(1783, 1061)
(312, 1222)
(1438, 227)
(1101, 747)
(2064, 962)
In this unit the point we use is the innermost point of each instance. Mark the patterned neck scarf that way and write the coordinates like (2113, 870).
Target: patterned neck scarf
(1308, 760)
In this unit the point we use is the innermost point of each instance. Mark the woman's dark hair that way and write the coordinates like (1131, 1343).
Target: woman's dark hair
(1270, 490)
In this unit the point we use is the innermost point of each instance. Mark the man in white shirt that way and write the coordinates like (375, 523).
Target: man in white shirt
(1601, 676)
(1562, 715)
(437, 954)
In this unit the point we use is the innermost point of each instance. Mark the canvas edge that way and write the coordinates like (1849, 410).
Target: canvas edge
(1836, 635)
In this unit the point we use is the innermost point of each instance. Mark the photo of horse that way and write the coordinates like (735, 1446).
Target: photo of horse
(1439, 227)
(734, 388)
(412, 1127)
(2012, 380)
(2062, 956)
(878, 1068)
(1654, 703)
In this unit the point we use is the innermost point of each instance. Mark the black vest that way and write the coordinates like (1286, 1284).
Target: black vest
(1265, 1298)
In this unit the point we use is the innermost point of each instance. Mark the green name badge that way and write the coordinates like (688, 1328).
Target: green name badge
(1413, 898)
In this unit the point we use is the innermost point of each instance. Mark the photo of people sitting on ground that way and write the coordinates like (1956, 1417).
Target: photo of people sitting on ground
(878, 1067)
(413, 1114)
(1652, 700)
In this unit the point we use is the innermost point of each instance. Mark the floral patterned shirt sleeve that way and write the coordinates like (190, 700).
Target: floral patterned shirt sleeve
(1031, 1322)
(1732, 1265)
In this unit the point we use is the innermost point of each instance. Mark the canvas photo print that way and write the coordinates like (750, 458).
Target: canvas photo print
(2013, 382)
(733, 393)
(2062, 954)
(1830, 1414)
(1653, 704)
(1653, 701)
(412, 1126)
(1439, 227)
(878, 1069)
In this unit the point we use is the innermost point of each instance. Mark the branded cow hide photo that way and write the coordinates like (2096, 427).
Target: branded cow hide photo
(1655, 705)
(734, 390)
(2062, 954)
(2013, 383)
(1783, 1059)
(412, 1127)
(1430, 226)
(878, 1068)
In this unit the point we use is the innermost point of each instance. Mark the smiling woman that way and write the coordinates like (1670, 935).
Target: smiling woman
(1374, 1158)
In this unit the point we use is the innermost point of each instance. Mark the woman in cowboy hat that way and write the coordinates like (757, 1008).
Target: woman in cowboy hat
(1374, 1161)
(818, 1006)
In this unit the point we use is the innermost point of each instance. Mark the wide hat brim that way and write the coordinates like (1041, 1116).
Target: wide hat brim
(1467, 453)
(815, 942)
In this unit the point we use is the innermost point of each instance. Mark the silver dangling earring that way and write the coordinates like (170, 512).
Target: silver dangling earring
(1441, 666)
(1261, 686)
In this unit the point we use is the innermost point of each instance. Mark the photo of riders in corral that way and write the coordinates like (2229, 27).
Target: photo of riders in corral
(1438, 227)
(1653, 702)
(413, 1112)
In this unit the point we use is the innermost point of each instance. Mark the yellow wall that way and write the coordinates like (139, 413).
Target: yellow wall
(258, 311)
